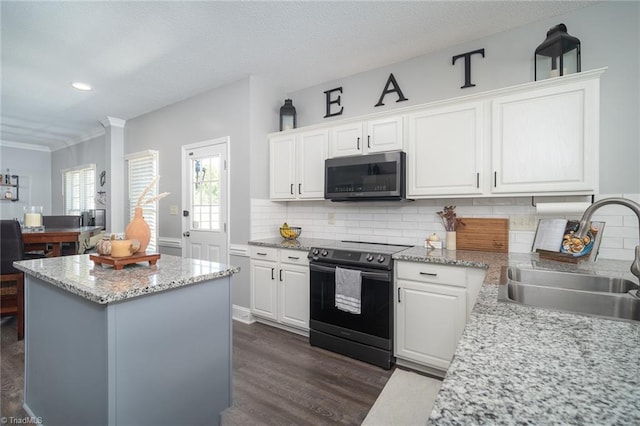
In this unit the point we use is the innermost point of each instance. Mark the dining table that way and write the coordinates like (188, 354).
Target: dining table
(55, 237)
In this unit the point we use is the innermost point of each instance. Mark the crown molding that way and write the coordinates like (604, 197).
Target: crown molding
(94, 133)
(22, 145)
(113, 122)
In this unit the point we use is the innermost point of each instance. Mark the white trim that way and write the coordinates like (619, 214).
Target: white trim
(242, 314)
(82, 167)
(170, 242)
(22, 145)
(145, 153)
(239, 250)
(113, 122)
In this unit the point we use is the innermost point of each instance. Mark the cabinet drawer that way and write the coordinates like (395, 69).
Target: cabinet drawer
(264, 253)
(297, 257)
(427, 272)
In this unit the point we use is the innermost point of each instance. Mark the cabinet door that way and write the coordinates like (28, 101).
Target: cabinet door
(346, 140)
(282, 167)
(430, 319)
(385, 134)
(264, 289)
(294, 295)
(444, 150)
(546, 140)
(312, 150)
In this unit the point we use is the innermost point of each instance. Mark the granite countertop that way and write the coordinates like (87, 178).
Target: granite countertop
(297, 244)
(103, 284)
(525, 365)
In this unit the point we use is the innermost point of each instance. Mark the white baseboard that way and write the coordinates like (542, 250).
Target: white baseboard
(242, 314)
(170, 242)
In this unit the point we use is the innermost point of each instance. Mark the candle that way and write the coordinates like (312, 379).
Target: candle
(33, 216)
(32, 220)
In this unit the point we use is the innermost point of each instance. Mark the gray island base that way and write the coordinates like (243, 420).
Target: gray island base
(143, 345)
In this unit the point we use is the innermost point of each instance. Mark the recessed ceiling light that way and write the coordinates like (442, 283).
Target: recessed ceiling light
(81, 86)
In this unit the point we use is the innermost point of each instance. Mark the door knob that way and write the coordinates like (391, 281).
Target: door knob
(186, 234)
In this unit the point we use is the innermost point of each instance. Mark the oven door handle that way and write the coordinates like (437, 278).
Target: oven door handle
(372, 275)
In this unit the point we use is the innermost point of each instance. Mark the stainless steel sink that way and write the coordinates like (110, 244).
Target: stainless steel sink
(613, 298)
(570, 281)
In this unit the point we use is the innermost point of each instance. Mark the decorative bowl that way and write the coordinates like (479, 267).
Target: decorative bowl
(290, 233)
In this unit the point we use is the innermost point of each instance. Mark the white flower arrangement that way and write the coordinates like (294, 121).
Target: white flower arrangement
(141, 201)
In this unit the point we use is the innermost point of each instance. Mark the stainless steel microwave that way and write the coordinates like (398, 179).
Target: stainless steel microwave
(380, 176)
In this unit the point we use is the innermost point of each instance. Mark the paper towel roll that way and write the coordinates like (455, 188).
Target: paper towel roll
(562, 209)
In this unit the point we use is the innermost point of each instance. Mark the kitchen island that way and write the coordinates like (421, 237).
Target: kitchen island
(526, 365)
(142, 345)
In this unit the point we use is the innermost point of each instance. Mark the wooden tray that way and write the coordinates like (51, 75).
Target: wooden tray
(119, 262)
(483, 234)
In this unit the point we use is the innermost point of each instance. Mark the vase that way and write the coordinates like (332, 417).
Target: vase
(450, 243)
(138, 229)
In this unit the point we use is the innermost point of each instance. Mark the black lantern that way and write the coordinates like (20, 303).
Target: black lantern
(558, 55)
(287, 115)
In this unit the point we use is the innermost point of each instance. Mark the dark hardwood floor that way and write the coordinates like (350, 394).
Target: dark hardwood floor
(278, 379)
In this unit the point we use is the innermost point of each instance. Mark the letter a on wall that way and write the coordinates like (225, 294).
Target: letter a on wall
(391, 87)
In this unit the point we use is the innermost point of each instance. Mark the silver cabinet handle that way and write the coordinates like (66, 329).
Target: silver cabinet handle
(368, 141)
(300, 188)
(293, 257)
(272, 272)
(431, 274)
(261, 254)
(358, 144)
(291, 189)
(399, 290)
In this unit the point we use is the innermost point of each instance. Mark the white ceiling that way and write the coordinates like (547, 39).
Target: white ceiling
(141, 56)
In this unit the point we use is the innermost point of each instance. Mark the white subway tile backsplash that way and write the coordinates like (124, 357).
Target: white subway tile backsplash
(411, 223)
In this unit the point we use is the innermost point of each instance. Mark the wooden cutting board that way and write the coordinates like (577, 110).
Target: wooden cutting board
(483, 234)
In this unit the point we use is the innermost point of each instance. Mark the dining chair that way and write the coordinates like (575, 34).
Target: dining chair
(12, 279)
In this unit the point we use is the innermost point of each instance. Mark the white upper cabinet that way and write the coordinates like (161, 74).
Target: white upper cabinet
(296, 165)
(312, 150)
(364, 137)
(546, 140)
(385, 134)
(282, 167)
(444, 150)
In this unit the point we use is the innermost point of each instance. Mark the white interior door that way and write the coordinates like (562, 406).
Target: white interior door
(205, 201)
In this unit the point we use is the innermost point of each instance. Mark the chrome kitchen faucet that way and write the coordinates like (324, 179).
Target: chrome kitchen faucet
(586, 220)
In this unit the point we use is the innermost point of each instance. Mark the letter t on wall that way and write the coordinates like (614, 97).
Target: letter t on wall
(467, 66)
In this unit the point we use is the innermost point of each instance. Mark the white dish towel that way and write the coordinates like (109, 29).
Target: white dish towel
(348, 290)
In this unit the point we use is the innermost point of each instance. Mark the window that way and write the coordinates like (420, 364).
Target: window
(78, 189)
(142, 169)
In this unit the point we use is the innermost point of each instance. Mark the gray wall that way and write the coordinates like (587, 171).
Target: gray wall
(264, 104)
(34, 169)
(92, 151)
(609, 35)
(214, 114)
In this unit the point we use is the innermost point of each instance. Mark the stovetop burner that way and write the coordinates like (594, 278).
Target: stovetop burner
(356, 253)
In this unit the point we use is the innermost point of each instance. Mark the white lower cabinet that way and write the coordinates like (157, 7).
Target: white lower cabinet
(293, 287)
(432, 306)
(280, 286)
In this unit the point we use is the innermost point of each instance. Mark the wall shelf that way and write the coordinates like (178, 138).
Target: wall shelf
(10, 191)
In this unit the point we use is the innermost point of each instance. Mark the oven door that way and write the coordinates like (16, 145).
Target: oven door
(373, 326)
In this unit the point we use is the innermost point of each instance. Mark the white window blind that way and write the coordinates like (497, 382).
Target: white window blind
(78, 189)
(142, 169)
